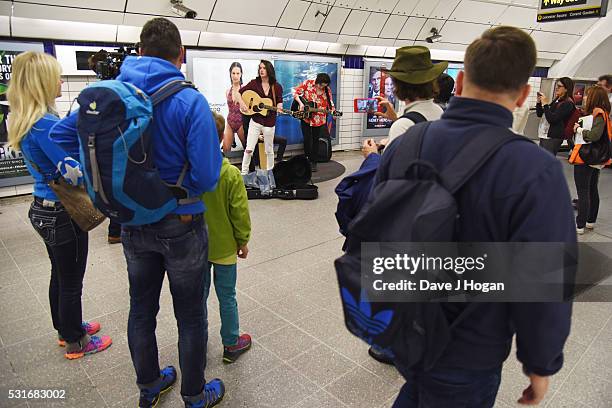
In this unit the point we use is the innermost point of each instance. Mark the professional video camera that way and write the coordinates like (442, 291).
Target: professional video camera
(106, 64)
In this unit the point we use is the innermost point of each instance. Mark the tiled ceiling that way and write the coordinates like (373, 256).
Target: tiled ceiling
(288, 23)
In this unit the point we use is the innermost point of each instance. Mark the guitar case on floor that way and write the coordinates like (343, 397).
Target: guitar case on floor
(292, 180)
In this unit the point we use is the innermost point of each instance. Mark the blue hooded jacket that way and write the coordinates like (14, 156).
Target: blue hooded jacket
(183, 130)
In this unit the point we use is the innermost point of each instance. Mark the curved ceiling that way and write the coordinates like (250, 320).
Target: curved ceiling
(363, 27)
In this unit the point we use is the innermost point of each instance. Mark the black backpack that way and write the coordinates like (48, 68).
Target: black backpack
(422, 203)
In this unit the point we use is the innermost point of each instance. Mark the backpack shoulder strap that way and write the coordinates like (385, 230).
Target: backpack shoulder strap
(409, 149)
(474, 155)
(414, 116)
(170, 89)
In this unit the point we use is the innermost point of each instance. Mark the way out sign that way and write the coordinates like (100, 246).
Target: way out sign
(557, 10)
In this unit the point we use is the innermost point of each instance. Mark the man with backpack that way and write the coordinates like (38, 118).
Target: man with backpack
(478, 182)
(150, 149)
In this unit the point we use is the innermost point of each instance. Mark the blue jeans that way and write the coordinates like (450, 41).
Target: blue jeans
(225, 286)
(449, 388)
(181, 249)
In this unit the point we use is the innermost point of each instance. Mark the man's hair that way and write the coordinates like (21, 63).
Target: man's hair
(596, 97)
(220, 124)
(322, 78)
(269, 70)
(160, 38)
(411, 92)
(446, 85)
(501, 60)
(607, 78)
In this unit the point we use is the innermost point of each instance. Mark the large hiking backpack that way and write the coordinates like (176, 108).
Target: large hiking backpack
(354, 189)
(114, 127)
(415, 204)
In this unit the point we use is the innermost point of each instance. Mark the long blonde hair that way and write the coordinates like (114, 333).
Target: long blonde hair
(31, 93)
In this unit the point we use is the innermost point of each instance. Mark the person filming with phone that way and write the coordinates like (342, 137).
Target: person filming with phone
(414, 79)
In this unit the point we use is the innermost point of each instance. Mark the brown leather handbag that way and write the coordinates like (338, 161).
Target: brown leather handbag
(77, 203)
(75, 200)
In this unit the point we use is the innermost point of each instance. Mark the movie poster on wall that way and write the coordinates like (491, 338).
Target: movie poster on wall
(212, 77)
(379, 84)
(13, 170)
(290, 73)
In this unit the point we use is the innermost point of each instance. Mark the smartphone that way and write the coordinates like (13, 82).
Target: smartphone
(366, 105)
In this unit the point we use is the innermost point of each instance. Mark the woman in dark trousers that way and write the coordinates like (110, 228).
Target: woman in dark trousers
(586, 176)
(34, 86)
(557, 113)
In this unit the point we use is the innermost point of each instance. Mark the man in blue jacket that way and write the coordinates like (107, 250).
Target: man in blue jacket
(183, 132)
(506, 200)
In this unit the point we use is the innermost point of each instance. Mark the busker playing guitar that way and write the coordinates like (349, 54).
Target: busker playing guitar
(265, 86)
(313, 128)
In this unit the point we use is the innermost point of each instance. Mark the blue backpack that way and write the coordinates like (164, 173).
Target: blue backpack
(114, 127)
(414, 202)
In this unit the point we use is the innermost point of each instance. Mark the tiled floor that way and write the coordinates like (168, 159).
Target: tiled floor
(302, 355)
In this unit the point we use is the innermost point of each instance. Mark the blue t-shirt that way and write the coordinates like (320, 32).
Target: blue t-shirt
(52, 161)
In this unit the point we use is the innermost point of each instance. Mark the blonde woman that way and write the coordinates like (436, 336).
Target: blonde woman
(32, 91)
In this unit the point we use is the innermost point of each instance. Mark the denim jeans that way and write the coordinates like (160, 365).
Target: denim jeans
(181, 250)
(225, 286)
(67, 248)
(449, 388)
(587, 180)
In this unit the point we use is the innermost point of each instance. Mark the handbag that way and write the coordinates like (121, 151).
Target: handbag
(596, 153)
(75, 200)
(78, 204)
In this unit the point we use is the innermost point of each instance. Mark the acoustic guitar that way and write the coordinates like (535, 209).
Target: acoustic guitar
(258, 105)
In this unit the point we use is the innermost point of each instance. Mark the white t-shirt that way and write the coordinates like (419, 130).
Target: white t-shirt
(427, 108)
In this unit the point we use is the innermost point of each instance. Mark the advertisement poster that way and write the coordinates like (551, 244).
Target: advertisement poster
(579, 90)
(12, 167)
(291, 73)
(210, 72)
(212, 77)
(379, 84)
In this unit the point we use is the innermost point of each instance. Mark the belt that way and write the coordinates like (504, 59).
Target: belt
(47, 203)
(184, 218)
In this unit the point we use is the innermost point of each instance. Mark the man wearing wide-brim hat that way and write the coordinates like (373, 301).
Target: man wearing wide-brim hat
(414, 79)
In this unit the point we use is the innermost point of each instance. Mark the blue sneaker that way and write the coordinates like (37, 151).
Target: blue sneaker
(213, 393)
(149, 397)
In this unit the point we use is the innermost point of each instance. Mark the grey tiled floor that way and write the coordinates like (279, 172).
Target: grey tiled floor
(302, 355)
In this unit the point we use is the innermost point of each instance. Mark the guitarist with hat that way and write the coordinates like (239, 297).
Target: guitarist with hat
(265, 86)
(313, 127)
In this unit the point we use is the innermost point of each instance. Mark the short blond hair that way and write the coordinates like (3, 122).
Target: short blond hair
(31, 94)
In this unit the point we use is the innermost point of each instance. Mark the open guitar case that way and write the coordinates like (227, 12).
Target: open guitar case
(291, 180)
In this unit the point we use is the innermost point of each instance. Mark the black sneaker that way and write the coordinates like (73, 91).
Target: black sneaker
(149, 397)
(231, 353)
(380, 356)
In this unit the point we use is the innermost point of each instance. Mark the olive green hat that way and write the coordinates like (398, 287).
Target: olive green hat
(413, 65)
